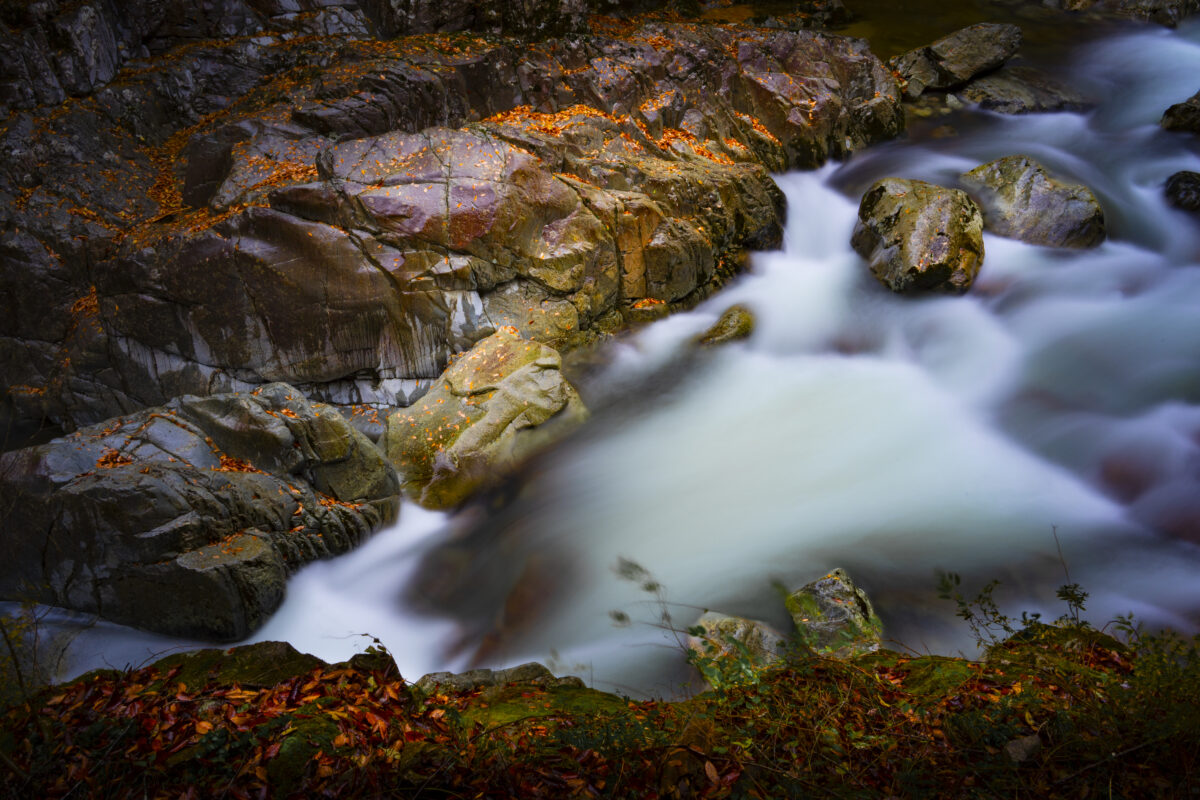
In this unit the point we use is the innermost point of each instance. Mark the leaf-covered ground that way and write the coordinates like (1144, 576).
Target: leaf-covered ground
(1052, 712)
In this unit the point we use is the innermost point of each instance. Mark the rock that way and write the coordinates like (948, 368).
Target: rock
(1183, 191)
(737, 322)
(955, 59)
(185, 519)
(1183, 116)
(1163, 12)
(1021, 201)
(762, 642)
(1022, 749)
(834, 616)
(1021, 90)
(918, 236)
(492, 407)
(209, 223)
(532, 674)
(252, 666)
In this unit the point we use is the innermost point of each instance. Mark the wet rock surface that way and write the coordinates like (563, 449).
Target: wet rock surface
(1022, 90)
(1183, 116)
(497, 404)
(917, 236)
(1183, 191)
(1162, 12)
(957, 58)
(185, 519)
(1020, 200)
(736, 322)
(345, 213)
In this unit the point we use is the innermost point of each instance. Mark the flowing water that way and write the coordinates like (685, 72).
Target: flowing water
(892, 436)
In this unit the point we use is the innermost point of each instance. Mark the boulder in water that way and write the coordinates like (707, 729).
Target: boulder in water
(1183, 116)
(955, 59)
(918, 236)
(185, 519)
(492, 407)
(1020, 200)
(833, 616)
(1021, 90)
(1183, 191)
(736, 323)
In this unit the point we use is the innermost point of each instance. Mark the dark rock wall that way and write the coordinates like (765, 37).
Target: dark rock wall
(182, 229)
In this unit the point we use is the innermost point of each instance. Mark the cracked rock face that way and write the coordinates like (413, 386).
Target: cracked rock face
(185, 519)
(345, 214)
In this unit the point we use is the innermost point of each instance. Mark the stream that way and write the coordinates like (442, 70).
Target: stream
(1049, 420)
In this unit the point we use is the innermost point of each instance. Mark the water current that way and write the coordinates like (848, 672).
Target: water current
(893, 436)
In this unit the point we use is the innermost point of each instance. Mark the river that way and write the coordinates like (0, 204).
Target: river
(1057, 405)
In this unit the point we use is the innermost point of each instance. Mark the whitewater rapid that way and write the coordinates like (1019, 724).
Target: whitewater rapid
(893, 436)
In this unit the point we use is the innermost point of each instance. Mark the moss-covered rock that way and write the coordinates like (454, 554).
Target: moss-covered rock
(834, 616)
(736, 322)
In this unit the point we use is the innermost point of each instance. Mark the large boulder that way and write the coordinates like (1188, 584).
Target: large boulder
(918, 236)
(237, 213)
(493, 407)
(1183, 191)
(835, 617)
(1020, 200)
(185, 519)
(1183, 116)
(955, 59)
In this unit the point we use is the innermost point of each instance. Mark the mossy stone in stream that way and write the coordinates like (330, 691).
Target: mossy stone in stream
(736, 323)
(835, 617)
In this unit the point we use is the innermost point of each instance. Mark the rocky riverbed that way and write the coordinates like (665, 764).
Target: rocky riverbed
(270, 266)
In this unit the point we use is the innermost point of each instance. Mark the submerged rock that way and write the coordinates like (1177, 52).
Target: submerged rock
(955, 59)
(833, 616)
(737, 322)
(492, 407)
(186, 519)
(1183, 116)
(918, 236)
(1021, 201)
(1183, 191)
(1021, 90)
